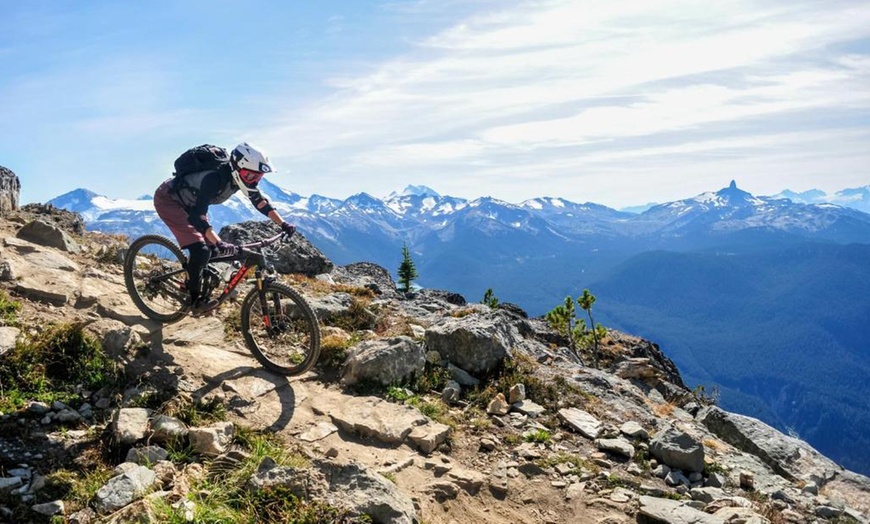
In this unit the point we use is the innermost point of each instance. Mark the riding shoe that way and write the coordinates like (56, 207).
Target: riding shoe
(203, 306)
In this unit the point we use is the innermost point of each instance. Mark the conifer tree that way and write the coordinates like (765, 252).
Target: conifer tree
(585, 301)
(490, 299)
(407, 270)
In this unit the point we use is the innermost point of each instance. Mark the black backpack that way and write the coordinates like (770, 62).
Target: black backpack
(201, 158)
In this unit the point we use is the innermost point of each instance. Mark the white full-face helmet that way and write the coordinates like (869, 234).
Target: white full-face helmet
(249, 163)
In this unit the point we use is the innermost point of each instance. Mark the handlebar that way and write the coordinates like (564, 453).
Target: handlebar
(264, 242)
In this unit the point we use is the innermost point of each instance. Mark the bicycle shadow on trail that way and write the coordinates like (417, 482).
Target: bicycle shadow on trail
(246, 389)
(183, 358)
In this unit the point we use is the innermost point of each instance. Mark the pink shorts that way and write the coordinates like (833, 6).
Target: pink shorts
(175, 216)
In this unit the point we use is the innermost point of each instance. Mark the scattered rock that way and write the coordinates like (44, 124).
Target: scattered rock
(147, 455)
(678, 450)
(318, 432)
(10, 189)
(49, 508)
(634, 430)
(715, 480)
(166, 429)
(581, 421)
(428, 437)
(384, 361)
(461, 376)
(212, 440)
(654, 510)
(442, 490)
(618, 446)
(124, 489)
(8, 336)
(747, 480)
(529, 408)
(517, 393)
(467, 479)
(130, 424)
(498, 405)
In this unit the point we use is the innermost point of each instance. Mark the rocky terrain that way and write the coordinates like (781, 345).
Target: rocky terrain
(423, 408)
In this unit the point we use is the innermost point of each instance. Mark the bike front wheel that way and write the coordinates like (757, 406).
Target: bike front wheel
(280, 329)
(155, 275)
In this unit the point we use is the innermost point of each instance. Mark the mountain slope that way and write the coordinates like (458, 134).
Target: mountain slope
(787, 327)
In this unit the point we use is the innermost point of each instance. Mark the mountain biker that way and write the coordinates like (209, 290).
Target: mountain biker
(182, 203)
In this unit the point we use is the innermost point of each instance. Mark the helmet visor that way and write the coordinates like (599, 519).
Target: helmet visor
(250, 177)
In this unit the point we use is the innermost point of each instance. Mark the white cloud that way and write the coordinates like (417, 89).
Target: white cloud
(531, 87)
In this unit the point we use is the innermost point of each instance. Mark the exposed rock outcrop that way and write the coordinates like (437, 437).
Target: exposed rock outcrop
(10, 188)
(296, 256)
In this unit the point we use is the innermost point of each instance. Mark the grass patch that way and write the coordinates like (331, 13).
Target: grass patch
(433, 378)
(615, 481)
(233, 323)
(540, 436)
(8, 310)
(464, 312)
(389, 476)
(49, 366)
(714, 444)
(195, 412)
(513, 439)
(357, 317)
(333, 351)
(223, 497)
(714, 467)
(578, 464)
(397, 394)
(663, 410)
(551, 392)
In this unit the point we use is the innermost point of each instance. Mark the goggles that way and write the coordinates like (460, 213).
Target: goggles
(250, 177)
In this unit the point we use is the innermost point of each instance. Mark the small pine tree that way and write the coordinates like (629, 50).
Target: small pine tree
(563, 319)
(407, 270)
(585, 301)
(490, 299)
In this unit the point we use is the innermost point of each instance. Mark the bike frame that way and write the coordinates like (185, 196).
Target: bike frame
(251, 256)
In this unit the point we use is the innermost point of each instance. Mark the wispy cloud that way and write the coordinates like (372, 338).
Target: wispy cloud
(539, 84)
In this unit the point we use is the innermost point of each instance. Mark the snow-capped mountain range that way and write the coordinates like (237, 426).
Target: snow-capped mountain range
(419, 212)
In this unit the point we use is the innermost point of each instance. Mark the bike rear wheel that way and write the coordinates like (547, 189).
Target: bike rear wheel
(155, 275)
(284, 336)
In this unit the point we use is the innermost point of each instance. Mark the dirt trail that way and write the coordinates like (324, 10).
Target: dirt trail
(301, 407)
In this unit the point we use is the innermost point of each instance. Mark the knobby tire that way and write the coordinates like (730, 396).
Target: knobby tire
(303, 318)
(130, 278)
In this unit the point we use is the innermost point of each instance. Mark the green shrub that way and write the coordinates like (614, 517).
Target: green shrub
(8, 310)
(49, 366)
(541, 436)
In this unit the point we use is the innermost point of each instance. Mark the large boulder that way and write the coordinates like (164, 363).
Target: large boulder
(384, 361)
(678, 450)
(10, 188)
(789, 457)
(296, 256)
(367, 275)
(362, 492)
(475, 343)
(45, 234)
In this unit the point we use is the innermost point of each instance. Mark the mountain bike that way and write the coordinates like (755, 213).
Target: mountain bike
(278, 325)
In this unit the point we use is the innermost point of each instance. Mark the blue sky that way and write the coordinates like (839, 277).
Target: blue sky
(619, 103)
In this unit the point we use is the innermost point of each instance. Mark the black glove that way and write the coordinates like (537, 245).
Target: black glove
(288, 229)
(225, 249)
